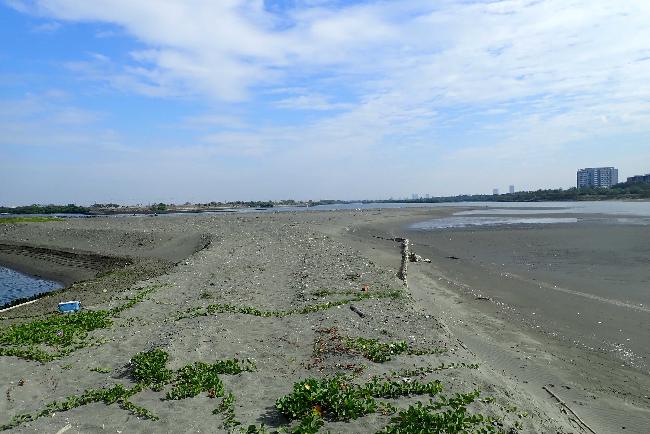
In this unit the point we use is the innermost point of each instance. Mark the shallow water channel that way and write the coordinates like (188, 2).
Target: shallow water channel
(15, 285)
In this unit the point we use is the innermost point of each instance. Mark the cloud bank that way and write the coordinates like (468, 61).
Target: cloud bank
(489, 86)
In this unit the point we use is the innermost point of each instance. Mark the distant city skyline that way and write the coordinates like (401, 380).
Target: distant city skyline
(148, 101)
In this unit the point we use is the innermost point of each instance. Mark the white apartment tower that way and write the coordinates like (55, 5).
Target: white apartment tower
(597, 177)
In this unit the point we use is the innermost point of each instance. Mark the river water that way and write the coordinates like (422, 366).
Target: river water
(15, 285)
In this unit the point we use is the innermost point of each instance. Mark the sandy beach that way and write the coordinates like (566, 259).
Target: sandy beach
(295, 294)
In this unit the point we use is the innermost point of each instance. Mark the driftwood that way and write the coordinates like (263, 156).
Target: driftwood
(414, 257)
(356, 310)
(563, 404)
(403, 268)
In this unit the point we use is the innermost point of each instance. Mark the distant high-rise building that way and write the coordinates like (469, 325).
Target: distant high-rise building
(639, 179)
(415, 196)
(597, 177)
(511, 189)
(495, 191)
(428, 196)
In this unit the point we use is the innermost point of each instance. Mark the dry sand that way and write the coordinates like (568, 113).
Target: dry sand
(270, 261)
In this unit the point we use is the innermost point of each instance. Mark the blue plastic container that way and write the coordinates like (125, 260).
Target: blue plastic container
(69, 306)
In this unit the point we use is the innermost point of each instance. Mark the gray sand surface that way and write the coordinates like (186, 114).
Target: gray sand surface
(271, 262)
(548, 304)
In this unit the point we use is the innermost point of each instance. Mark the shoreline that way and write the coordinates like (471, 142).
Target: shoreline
(282, 264)
(466, 294)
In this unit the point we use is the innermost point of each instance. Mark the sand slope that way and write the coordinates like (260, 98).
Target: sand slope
(272, 262)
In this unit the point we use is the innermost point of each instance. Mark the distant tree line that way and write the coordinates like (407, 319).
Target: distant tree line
(620, 191)
(70, 208)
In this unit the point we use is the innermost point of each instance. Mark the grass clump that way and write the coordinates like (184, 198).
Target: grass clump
(149, 368)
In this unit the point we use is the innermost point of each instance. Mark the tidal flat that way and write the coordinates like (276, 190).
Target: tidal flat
(276, 321)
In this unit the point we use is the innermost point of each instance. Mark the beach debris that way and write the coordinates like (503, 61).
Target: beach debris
(403, 268)
(69, 306)
(356, 310)
(452, 257)
(414, 257)
(64, 429)
(567, 408)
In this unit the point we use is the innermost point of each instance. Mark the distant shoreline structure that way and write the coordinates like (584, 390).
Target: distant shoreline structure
(623, 191)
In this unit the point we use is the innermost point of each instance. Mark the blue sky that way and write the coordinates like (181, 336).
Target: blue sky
(197, 100)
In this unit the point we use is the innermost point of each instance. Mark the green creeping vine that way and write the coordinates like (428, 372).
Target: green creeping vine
(227, 408)
(314, 401)
(149, 370)
(247, 310)
(454, 419)
(380, 352)
(425, 370)
(372, 349)
(202, 377)
(336, 399)
(116, 394)
(65, 333)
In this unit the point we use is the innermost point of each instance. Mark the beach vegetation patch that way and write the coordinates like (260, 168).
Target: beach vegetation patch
(203, 377)
(14, 220)
(425, 370)
(227, 409)
(314, 402)
(331, 342)
(111, 395)
(249, 310)
(149, 368)
(454, 417)
(334, 399)
(58, 330)
(337, 399)
(64, 333)
(375, 350)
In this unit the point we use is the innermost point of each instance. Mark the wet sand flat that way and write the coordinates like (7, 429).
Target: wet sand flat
(561, 304)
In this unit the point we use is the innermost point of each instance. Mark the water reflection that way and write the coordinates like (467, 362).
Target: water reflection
(463, 222)
(15, 285)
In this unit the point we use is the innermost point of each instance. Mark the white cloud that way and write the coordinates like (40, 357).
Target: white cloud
(511, 79)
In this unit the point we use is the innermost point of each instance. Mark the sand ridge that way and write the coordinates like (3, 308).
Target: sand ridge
(269, 287)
